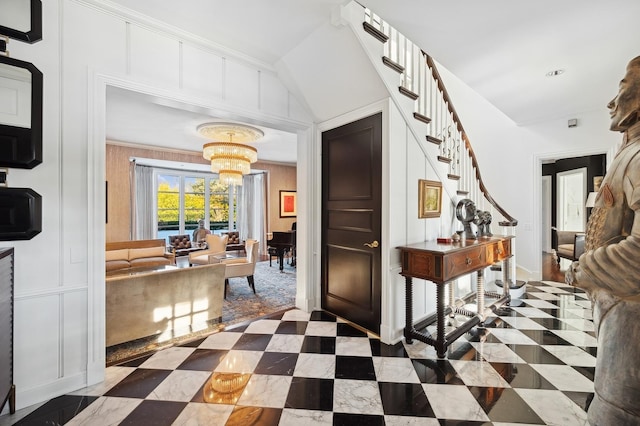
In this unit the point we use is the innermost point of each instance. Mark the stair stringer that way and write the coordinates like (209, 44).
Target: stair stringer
(353, 15)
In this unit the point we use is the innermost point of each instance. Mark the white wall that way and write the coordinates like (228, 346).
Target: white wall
(59, 285)
(59, 274)
(510, 157)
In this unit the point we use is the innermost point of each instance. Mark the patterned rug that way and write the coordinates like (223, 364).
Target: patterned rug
(275, 291)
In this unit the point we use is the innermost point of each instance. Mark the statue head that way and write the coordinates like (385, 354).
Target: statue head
(201, 223)
(625, 107)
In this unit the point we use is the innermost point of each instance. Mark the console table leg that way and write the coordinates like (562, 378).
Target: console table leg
(440, 341)
(408, 325)
(506, 276)
(480, 294)
(452, 299)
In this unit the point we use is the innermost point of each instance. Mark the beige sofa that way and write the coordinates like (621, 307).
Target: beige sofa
(137, 253)
(162, 303)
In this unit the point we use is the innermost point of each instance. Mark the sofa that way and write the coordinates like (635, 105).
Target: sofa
(163, 304)
(137, 253)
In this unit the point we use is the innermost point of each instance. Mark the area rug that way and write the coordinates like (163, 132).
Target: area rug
(275, 291)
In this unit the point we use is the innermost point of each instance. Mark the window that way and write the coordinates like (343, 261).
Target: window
(183, 198)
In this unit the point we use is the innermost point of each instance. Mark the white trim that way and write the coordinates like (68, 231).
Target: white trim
(96, 149)
(386, 313)
(538, 161)
(155, 25)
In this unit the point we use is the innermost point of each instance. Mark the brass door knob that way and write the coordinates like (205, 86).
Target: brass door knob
(372, 245)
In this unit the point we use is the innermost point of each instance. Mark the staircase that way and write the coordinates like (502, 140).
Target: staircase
(420, 81)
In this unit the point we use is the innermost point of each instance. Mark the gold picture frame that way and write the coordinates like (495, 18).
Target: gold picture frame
(429, 198)
(288, 204)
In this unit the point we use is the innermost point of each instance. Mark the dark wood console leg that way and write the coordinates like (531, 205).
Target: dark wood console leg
(12, 399)
(408, 325)
(440, 341)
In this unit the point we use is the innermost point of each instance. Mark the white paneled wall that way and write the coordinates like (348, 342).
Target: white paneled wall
(59, 300)
(202, 72)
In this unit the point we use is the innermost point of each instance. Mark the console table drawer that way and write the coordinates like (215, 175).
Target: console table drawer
(422, 265)
(498, 251)
(464, 262)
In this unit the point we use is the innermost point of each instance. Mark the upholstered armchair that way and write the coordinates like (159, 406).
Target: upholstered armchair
(216, 246)
(242, 266)
(235, 243)
(567, 244)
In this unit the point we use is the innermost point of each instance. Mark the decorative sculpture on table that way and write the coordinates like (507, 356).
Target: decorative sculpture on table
(609, 270)
(466, 213)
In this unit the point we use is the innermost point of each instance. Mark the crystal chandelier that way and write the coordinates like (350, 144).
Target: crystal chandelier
(231, 160)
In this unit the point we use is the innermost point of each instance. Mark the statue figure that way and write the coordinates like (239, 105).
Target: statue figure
(609, 270)
(200, 233)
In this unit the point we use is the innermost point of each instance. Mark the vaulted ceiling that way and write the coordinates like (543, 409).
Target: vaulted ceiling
(503, 49)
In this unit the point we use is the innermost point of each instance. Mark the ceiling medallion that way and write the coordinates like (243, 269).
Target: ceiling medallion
(220, 131)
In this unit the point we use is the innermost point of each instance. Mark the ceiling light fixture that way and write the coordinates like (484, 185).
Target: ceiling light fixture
(232, 159)
(555, 73)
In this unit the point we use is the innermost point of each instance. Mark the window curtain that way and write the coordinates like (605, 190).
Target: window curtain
(142, 192)
(252, 210)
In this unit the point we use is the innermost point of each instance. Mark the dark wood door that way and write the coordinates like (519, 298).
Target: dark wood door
(351, 221)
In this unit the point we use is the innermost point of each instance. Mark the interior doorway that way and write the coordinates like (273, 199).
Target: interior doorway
(572, 194)
(352, 221)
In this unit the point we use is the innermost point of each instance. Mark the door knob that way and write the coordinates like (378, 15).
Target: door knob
(372, 245)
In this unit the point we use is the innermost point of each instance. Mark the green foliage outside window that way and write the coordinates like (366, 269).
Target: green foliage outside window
(194, 202)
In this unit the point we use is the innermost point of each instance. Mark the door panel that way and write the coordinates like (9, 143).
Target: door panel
(351, 200)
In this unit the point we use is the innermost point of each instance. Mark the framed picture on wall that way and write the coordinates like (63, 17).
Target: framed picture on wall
(429, 198)
(288, 204)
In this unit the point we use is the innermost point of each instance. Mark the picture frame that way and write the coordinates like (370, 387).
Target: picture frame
(288, 203)
(429, 198)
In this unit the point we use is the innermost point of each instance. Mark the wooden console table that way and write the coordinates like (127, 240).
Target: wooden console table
(442, 264)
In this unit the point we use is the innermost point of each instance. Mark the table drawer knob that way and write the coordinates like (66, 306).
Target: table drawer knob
(467, 261)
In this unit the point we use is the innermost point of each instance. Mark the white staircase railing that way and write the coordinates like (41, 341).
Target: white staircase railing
(420, 80)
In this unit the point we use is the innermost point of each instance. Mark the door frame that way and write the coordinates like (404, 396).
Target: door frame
(315, 212)
(538, 161)
(560, 194)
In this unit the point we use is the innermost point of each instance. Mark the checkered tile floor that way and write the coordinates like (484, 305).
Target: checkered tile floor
(533, 364)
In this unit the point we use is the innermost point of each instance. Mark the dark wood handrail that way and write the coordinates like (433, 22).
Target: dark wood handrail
(510, 221)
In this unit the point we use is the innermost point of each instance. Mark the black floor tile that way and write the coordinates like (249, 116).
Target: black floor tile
(135, 362)
(318, 345)
(505, 405)
(437, 371)
(193, 343)
(156, 413)
(587, 372)
(258, 416)
(310, 394)
(534, 354)
(252, 342)
(203, 360)
(554, 324)
(292, 327)
(582, 399)
(347, 330)
(524, 376)
(57, 411)
(345, 419)
(140, 383)
(405, 399)
(355, 367)
(544, 337)
(277, 363)
(380, 349)
(322, 316)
